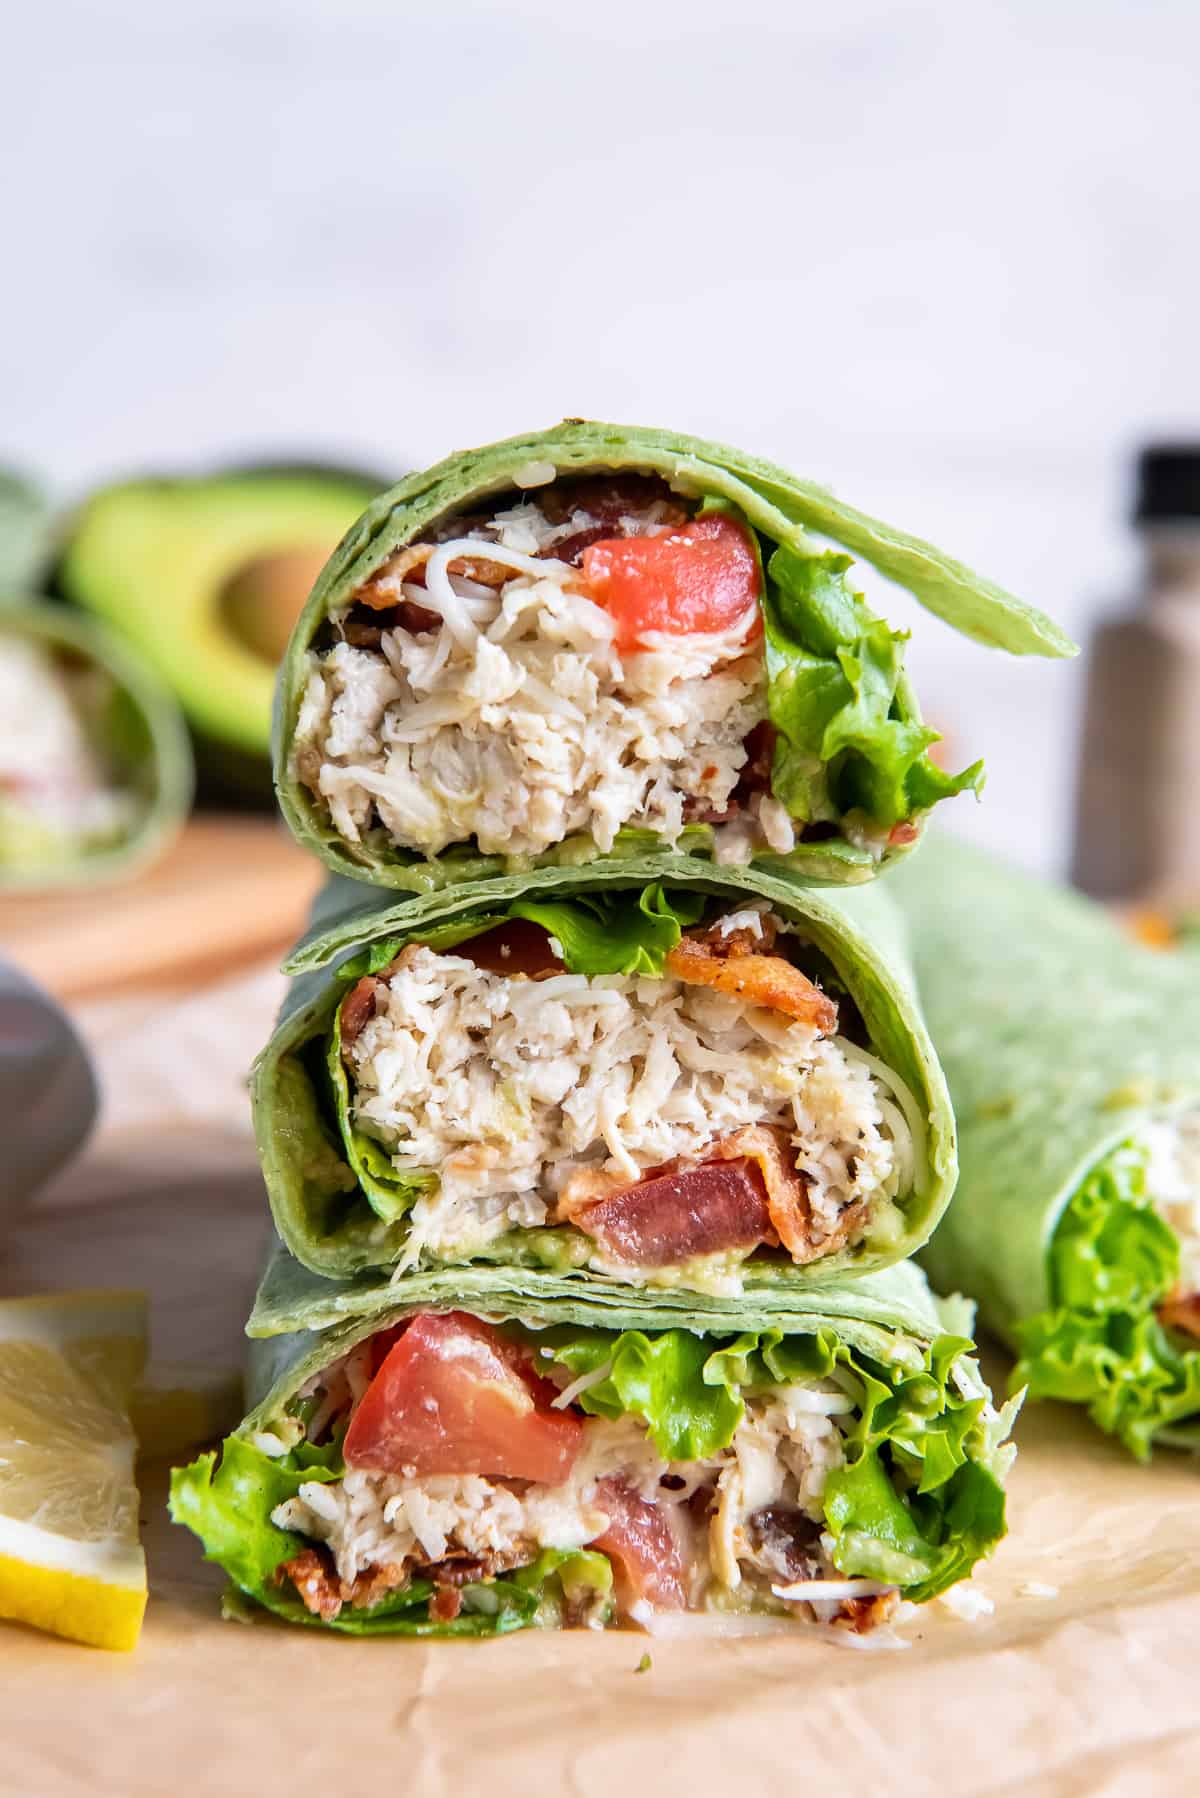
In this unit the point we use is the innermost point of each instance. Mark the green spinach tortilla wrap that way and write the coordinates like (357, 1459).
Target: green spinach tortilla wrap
(599, 640)
(701, 1079)
(468, 1464)
(95, 768)
(1073, 1058)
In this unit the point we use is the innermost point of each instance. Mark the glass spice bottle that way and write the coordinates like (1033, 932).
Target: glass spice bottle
(1137, 813)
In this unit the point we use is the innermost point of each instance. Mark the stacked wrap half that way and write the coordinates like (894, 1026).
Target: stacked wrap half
(652, 1466)
(598, 1141)
(340, 1204)
(599, 640)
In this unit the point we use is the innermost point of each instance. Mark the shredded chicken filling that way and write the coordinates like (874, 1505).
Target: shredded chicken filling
(491, 702)
(517, 1091)
(1173, 1180)
(55, 787)
(745, 1521)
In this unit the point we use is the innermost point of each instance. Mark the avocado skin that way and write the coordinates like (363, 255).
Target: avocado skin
(233, 768)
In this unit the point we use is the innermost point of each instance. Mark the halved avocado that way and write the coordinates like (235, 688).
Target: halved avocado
(206, 575)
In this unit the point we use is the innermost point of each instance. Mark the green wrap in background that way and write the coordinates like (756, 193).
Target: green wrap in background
(1062, 1042)
(837, 687)
(141, 736)
(919, 1501)
(323, 1215)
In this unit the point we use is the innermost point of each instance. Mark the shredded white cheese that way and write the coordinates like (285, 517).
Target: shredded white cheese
(507, 1086)
(519, 723)
(966, 1602)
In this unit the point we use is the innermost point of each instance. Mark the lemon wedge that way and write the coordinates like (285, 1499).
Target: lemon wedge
(180, 1404)
(70, 1559)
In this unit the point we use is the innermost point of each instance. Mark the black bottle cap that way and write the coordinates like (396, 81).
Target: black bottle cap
(1168, 483)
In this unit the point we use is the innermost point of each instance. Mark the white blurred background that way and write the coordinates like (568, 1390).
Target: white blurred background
(944, 257)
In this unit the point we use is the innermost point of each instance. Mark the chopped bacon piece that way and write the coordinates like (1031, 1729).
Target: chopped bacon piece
(452, 1397)
(703, 811)
(709, 960)
(702, 578)
(323, 1593)
(358, 1008)
(482, 570)
(755, 776)
(1181, 1312)
(458, 1568)
(647, 1562)
(365, 630)
(362, 629)
(860, 1615)
(678, 1211)
(383, 589)
(445, 1604)
(382, 593)
(374, 1583)
(607, 498)
(570, 549)
(417, 620)
(674, 1216)
(518, 947)
(315, 1583)
(787, 1192)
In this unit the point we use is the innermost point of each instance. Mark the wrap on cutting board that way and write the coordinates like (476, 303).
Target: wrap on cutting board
(702, 1080)
(1073, 1059)
(468, 1463)
(95, 767)
(601, 640)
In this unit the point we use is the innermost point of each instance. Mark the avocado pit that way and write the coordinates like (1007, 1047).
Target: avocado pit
(261, 601)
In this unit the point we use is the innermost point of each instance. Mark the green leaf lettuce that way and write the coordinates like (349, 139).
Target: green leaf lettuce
(919, 1500)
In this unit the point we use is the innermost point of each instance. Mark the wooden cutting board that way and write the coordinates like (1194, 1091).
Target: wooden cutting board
(230, 891)
(1081, 1682)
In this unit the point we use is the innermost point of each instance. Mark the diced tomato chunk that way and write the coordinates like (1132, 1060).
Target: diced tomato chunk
(703, 577)
(646, 1557)
(452, 1396)
(671, 1217)
(518, 947)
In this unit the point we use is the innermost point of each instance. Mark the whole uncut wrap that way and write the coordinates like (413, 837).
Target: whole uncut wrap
(1058, 1037)
(784, 509)
(1061, 1040)
(320, 1210)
